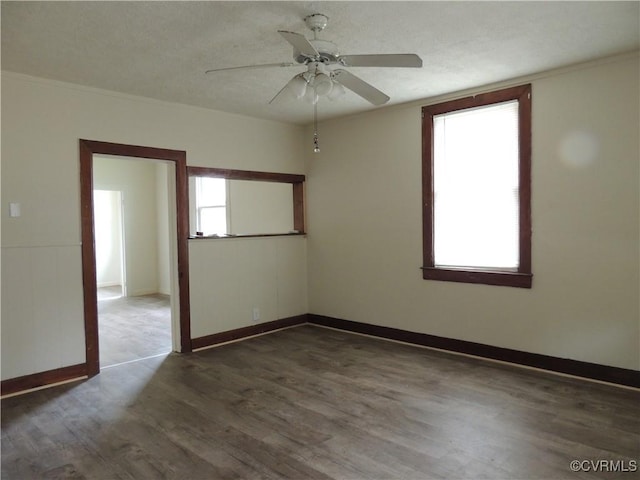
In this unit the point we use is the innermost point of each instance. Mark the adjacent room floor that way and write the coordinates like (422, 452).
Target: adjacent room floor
(315, 403)
(132, 328)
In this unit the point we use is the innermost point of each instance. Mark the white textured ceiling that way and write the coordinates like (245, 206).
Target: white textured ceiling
(161, 49)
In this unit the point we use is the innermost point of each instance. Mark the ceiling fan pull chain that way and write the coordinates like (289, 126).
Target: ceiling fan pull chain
(316, 146)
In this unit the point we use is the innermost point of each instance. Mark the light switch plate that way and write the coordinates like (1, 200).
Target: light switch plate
(14, 209)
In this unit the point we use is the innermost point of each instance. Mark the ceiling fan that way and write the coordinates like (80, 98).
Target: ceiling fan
(322, 78)
(321, 57)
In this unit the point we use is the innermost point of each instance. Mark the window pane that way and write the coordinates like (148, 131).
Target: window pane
(476, 234)
(475, 172)
(212, 220)
(211, 192)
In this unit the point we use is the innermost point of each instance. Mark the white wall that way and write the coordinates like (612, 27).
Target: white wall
(240, 274)
(107, 206)
(260, 207)
(41, 306)
(42, 120)
(365, 226)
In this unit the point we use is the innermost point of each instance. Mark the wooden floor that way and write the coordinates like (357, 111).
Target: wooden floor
(314, 403)
(131, 328)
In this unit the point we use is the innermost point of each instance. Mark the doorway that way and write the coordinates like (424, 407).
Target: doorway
(132, 328)
(133, 274)
(177, 263)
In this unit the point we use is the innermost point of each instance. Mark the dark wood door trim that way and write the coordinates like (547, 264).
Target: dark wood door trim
(87, 149)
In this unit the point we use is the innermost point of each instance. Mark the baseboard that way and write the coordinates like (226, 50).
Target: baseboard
(567, 366)
(244, 332)
(594, 371)
(58, 375)
(41, 379)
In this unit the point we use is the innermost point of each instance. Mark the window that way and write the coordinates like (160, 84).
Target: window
(477, 189)
(243, 203)
(211, 205)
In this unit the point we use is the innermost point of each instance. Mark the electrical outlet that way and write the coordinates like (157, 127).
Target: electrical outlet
(256, 314)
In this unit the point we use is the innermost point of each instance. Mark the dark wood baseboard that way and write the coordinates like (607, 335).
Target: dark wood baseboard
(592, 371)
(41, 379)
(244, 332)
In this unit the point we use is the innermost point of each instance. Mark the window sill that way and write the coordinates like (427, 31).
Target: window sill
(500, 278)
(250, 235)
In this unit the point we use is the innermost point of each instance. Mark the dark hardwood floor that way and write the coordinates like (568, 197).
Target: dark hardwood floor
(131, 328)
(314, 403)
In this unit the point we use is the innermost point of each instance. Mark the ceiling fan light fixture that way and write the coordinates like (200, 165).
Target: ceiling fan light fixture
(310, 95)
(298, 86)
(322, 84)
(337, 90)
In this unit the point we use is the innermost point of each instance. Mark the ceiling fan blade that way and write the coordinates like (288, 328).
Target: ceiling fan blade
(408, 60)
(248, 67)
(283, 89)
(360, 87)
(300, 43)
(278, 94)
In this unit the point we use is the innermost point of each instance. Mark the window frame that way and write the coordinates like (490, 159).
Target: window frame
(523, 276)
(296, 180)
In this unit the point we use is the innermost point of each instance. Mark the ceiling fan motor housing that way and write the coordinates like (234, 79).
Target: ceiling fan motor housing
(328, 52)
(316, 22)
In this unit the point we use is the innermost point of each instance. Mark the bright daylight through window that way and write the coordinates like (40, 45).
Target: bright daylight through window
(211, 205)
(476, 190)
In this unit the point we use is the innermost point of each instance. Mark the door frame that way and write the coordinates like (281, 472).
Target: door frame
(87, 149)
